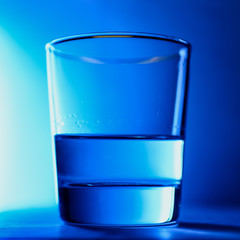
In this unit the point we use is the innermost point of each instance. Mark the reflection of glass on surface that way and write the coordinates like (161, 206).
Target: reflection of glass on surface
(117, 102)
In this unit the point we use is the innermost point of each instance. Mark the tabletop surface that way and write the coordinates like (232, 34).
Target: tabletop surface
(45, 223)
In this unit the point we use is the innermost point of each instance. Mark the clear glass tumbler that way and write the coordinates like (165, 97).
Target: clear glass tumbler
(117, 103)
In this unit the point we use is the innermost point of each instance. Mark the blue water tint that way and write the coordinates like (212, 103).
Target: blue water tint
(119, 180)
(89, 159)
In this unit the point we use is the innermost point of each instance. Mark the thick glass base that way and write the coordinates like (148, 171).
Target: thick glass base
(119, 205)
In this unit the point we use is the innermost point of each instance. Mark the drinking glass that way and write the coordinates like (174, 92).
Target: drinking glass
(117, 104)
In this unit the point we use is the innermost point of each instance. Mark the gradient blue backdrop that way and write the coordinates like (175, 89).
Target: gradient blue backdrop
(212, 157)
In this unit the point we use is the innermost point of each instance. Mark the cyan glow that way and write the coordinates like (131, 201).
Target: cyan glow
(26, 171)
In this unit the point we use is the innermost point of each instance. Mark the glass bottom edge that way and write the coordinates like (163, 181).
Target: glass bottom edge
(87, 225)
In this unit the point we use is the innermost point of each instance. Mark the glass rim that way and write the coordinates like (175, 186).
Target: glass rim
(51, 45)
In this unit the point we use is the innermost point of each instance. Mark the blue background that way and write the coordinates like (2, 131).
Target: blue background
(212, 157)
